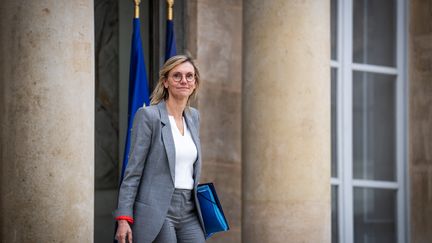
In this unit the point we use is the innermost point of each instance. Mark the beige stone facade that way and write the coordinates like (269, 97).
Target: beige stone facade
(219, 55)
(265, 113)
(420, 120)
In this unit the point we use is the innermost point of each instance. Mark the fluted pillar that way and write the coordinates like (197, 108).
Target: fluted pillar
(47, 121)
(286, 121)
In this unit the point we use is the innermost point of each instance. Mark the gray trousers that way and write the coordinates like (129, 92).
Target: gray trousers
(181, 224)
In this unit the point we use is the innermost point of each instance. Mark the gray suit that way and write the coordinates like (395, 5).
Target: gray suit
(148, 183)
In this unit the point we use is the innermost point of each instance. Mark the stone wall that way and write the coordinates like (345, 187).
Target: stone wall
(214, 39)
(420, 119)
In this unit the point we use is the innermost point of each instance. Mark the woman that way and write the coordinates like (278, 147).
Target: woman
(157, 199)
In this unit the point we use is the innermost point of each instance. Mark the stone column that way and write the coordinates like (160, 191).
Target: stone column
(420, 120)
(47, 121)
(286, 121)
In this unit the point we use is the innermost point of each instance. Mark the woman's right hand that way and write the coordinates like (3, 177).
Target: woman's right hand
(124, 232)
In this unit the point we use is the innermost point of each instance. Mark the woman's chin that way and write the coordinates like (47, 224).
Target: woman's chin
(181, 95)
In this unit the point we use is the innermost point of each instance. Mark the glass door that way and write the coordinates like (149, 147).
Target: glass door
(368, 121)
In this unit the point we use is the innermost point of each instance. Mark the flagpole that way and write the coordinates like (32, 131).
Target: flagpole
(170, 9)
(137, 3)
(170, 48)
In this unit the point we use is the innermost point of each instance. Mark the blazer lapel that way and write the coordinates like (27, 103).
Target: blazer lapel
(194, 133)
(167, 138)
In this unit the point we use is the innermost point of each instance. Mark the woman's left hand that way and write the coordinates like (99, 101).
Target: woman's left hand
(124, 232)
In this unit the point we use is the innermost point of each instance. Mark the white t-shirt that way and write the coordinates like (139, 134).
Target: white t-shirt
(185, 156)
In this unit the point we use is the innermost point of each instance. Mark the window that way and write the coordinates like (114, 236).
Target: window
(368, 125)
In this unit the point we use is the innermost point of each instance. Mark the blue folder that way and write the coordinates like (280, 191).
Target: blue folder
(211, 210)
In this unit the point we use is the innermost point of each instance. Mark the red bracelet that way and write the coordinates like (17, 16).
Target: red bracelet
(127, 218)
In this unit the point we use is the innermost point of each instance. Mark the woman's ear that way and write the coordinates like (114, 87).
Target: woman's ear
(165, 83)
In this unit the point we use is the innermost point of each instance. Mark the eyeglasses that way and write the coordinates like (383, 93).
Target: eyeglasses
(177, 77)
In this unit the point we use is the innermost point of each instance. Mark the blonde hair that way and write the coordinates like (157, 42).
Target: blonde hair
(160, 92)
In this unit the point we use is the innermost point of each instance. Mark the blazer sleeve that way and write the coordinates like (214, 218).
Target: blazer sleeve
(140, 143)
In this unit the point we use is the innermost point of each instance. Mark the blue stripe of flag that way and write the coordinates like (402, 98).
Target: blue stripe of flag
(138, 85)
(170, 49)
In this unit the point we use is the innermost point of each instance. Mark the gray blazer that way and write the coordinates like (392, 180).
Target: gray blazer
(148, 183)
